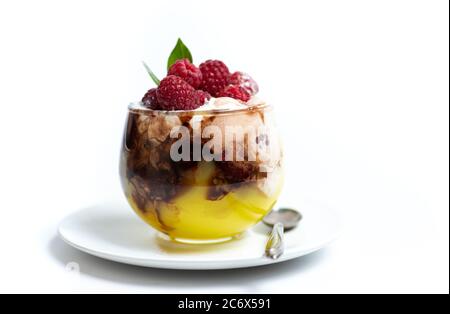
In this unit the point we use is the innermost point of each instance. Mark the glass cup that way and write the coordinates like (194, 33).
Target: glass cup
(201, 176)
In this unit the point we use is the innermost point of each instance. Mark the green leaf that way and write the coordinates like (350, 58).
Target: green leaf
(179, 52)
(151, 74)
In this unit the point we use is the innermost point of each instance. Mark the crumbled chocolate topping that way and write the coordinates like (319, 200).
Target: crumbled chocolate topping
(155, 177)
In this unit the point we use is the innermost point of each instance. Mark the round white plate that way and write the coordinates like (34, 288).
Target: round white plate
(114, 232)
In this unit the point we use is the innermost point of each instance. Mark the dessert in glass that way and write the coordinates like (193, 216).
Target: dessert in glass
(201, 164)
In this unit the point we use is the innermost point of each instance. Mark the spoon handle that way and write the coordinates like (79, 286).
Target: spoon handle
(275, 244)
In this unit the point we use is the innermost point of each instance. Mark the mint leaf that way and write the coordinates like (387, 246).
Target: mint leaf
(151, 74)
(179, 52)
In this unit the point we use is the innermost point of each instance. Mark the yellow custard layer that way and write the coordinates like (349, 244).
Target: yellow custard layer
(191, 216)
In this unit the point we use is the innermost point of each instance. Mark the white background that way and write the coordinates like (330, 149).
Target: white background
(362, 98)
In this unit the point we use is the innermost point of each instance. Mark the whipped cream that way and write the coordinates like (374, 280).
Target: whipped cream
(222, 103)
(227, 103)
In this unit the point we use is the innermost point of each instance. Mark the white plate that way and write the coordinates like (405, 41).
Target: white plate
(113, 232)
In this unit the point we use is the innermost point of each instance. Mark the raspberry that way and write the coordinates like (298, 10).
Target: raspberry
(187, 71)
(174, 93)
(236, 92)
(149, 100)
(244, 80)
(204, 96)
(215, 76)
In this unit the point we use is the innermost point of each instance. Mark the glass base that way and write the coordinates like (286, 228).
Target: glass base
(199, 241)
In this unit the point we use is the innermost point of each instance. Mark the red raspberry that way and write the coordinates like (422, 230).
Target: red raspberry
(236, 92)
(187, 71)
(174, 93)
(244, 80)
(215, 76)
(149, 100)
(204, 96)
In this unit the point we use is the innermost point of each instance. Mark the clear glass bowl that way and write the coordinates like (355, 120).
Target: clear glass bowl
(201, 176)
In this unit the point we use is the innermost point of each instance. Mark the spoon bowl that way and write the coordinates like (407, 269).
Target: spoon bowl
(290, 218)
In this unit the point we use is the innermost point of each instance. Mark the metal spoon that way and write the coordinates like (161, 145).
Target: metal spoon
(281, 220)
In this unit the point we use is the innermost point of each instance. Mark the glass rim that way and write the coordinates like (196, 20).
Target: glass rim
(137, 107)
